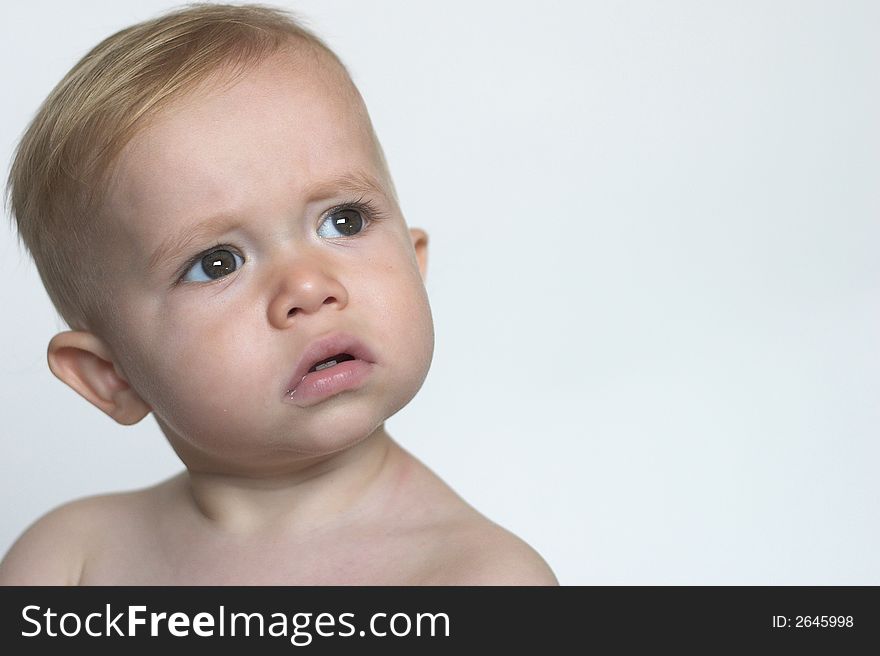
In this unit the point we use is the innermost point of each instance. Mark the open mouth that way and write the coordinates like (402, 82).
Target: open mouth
(331, 361)
(309, 384)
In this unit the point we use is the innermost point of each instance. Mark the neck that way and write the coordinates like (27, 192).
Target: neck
(324, 491)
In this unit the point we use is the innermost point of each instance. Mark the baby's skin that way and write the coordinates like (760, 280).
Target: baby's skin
(291, 478)
(389, 521)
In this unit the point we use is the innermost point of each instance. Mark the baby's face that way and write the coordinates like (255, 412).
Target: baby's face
(307, 243)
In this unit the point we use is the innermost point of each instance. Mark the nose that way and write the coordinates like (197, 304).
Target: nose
(304, 287)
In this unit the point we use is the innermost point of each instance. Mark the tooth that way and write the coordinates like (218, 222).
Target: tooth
(325, 365)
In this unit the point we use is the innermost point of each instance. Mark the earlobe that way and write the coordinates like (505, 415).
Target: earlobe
(84, 363)
(420, 246)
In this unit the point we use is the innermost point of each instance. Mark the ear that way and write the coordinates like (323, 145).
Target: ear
(83, 362)
(420, 246)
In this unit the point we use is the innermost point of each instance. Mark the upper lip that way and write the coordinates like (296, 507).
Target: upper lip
(323, 348)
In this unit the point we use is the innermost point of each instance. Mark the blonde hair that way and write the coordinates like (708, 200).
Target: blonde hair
(63, 163)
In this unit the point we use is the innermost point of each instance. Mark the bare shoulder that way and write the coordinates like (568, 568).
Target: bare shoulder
(50, 551)
(53, 549)
(467, 548)
(482, 553)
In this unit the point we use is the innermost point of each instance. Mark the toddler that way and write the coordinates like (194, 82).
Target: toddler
(211, 213)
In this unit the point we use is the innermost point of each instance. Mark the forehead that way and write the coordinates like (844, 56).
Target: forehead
(284, 126)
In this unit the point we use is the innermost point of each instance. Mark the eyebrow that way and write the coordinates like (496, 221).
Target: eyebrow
(174, 245)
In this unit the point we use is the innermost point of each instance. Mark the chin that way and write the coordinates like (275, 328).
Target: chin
(336, 428)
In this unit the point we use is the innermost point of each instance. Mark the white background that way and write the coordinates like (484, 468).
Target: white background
(654, 276)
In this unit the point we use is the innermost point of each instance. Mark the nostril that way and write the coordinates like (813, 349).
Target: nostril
(293, 311)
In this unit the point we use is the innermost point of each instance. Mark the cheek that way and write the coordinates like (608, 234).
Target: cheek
(403, 321)
(203, 371)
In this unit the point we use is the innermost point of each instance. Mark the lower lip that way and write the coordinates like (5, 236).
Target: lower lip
(320, 385)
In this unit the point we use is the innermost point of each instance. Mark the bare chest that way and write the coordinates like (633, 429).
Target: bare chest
(344, 559)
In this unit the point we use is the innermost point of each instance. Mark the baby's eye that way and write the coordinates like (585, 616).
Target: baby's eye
(214, 265)
(345, 221)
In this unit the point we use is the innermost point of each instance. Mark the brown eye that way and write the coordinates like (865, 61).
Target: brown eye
(214, 265)
(218, 264)
(342, 222)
